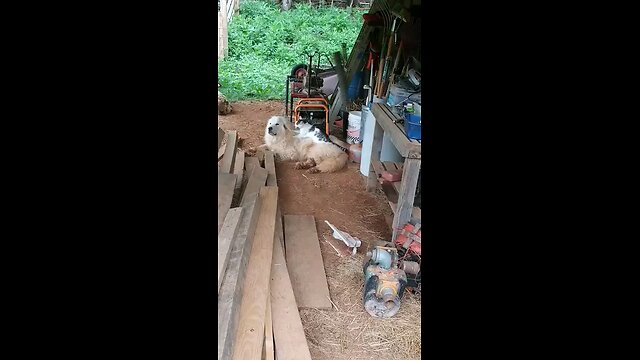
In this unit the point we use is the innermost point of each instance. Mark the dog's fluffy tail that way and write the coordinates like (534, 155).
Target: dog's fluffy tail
(333, 164)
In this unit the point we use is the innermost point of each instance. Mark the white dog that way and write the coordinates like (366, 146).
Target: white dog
(307, 150)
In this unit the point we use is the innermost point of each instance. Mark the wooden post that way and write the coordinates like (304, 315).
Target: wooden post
(410, 173)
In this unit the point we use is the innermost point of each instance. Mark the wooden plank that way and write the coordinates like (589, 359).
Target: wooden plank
(390, 165)
(230, 152)
(397, 185)
(270, 166)
(254, 184)
(378, 168)
(250, 332)
(225, 238)
(226, 185)
(238, 168)
(250, 162)
(304, 261)
(406, 147)
(406, 195)
(221, 151)
(260, 156)
(220, 137)
(269, 353)
(376, 148)
(232, 288)
(279, 226)
(288, 333)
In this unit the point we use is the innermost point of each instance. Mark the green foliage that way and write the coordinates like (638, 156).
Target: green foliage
(265, 43)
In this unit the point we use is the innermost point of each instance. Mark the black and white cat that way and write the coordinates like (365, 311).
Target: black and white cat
(305, 129)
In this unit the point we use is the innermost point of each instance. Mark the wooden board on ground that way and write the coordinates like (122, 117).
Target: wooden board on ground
(304, 261)
(270, 166)
(288, 333)
(225, 239)
(232, 288)
(220, 137)
(226, 165)
(268, 351)
(260, 156)
(221, 151)
(256, 181)
(279, 227)
(250, 162)
(226, 185)
(250, 333)
(238, 168)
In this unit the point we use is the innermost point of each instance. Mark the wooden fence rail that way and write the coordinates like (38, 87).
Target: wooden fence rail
(226, 10)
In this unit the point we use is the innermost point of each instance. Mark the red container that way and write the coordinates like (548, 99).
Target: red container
(394, 175)
(355, 153)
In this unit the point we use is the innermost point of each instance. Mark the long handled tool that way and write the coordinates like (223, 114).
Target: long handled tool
(387, 62)
(392, 77)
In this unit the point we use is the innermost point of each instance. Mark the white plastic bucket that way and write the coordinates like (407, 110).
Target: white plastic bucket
(354, 120)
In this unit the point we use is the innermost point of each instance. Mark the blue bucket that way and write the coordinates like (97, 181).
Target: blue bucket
(412, 125)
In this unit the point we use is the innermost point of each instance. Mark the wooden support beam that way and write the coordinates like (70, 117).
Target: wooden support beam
(407, 194)
(250, 332)
(225, 239)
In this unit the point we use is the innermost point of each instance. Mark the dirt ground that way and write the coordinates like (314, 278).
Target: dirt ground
(346, 332)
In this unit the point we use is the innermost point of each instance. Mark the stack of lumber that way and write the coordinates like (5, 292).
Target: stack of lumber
(263, 281)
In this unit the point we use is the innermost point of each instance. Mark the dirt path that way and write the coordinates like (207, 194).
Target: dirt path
(340, 198)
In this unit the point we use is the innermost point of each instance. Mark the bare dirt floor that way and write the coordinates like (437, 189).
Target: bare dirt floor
(347, 332)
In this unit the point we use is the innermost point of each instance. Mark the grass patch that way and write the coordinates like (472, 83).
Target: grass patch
(265, 43)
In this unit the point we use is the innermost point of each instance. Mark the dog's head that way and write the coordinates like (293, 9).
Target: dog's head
(277, 125)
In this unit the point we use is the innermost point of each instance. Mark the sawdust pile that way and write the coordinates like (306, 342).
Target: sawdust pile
(349, 332)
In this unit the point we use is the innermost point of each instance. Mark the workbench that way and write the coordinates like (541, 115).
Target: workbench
(410, 149)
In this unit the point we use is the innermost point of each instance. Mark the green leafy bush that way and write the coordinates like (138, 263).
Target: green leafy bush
(265, 43)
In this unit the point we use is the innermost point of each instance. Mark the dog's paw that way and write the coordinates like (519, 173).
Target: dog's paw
(313, 170)
(299, 165)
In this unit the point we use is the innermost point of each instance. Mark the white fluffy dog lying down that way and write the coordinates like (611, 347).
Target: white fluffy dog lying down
(310, 151)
